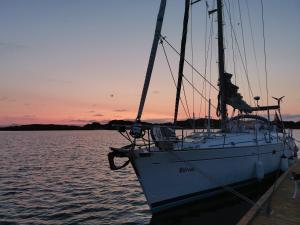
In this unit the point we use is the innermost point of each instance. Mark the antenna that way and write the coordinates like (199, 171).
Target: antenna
(279, 100)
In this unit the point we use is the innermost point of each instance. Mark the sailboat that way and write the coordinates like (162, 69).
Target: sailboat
(177, 169)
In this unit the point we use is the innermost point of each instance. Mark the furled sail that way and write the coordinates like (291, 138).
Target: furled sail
(233, 98)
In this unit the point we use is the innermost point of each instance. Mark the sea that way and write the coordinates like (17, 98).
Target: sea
(63, 177)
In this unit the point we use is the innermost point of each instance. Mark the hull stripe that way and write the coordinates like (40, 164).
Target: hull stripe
(238, 156)
(222, 148)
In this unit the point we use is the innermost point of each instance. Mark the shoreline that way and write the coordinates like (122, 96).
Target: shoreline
(116, 124)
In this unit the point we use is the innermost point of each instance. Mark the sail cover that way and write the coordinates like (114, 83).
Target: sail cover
(233, 98)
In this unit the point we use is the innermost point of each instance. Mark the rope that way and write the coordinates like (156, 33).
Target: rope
(265, 52)
(164, 39)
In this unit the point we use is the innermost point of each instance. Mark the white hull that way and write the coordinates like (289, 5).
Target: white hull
(172, 178)
(180, 169)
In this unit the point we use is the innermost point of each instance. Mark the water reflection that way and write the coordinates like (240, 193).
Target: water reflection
(195, 214)
(224, 209)
(64, 178)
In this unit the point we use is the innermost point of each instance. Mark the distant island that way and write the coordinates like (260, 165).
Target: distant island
(116, 124)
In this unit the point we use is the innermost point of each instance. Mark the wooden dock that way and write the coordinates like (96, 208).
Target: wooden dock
(284, 209)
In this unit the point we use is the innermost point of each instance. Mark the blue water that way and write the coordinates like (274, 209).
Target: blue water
(63, 177)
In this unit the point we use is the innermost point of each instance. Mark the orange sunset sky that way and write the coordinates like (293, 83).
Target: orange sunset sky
(73, 62)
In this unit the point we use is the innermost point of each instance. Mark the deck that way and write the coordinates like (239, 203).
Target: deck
(284, 209)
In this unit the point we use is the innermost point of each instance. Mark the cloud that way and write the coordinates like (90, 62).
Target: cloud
(98, 115)
(121, 110)
(91, 111)
(155, 92)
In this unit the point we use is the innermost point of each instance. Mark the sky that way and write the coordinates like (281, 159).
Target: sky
(77, 61)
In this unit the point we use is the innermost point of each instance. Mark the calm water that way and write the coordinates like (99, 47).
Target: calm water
(63, 177)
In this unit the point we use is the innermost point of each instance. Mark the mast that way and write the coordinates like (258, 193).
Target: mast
(157, 34)
(182, 57)
(221, 55)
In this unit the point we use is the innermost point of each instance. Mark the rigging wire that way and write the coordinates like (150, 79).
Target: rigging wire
(197, 72)
(186, 101)
(234, 40)
(206, 50)
(253, 47)
(232, 48)
(265, 52)
(226, 43)
(189, 82)
(211, 54)
(245, 55)
(205, 62)
(187, 113)
(211, 50)
(205, 66)
(239, 50)
(192, 52)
